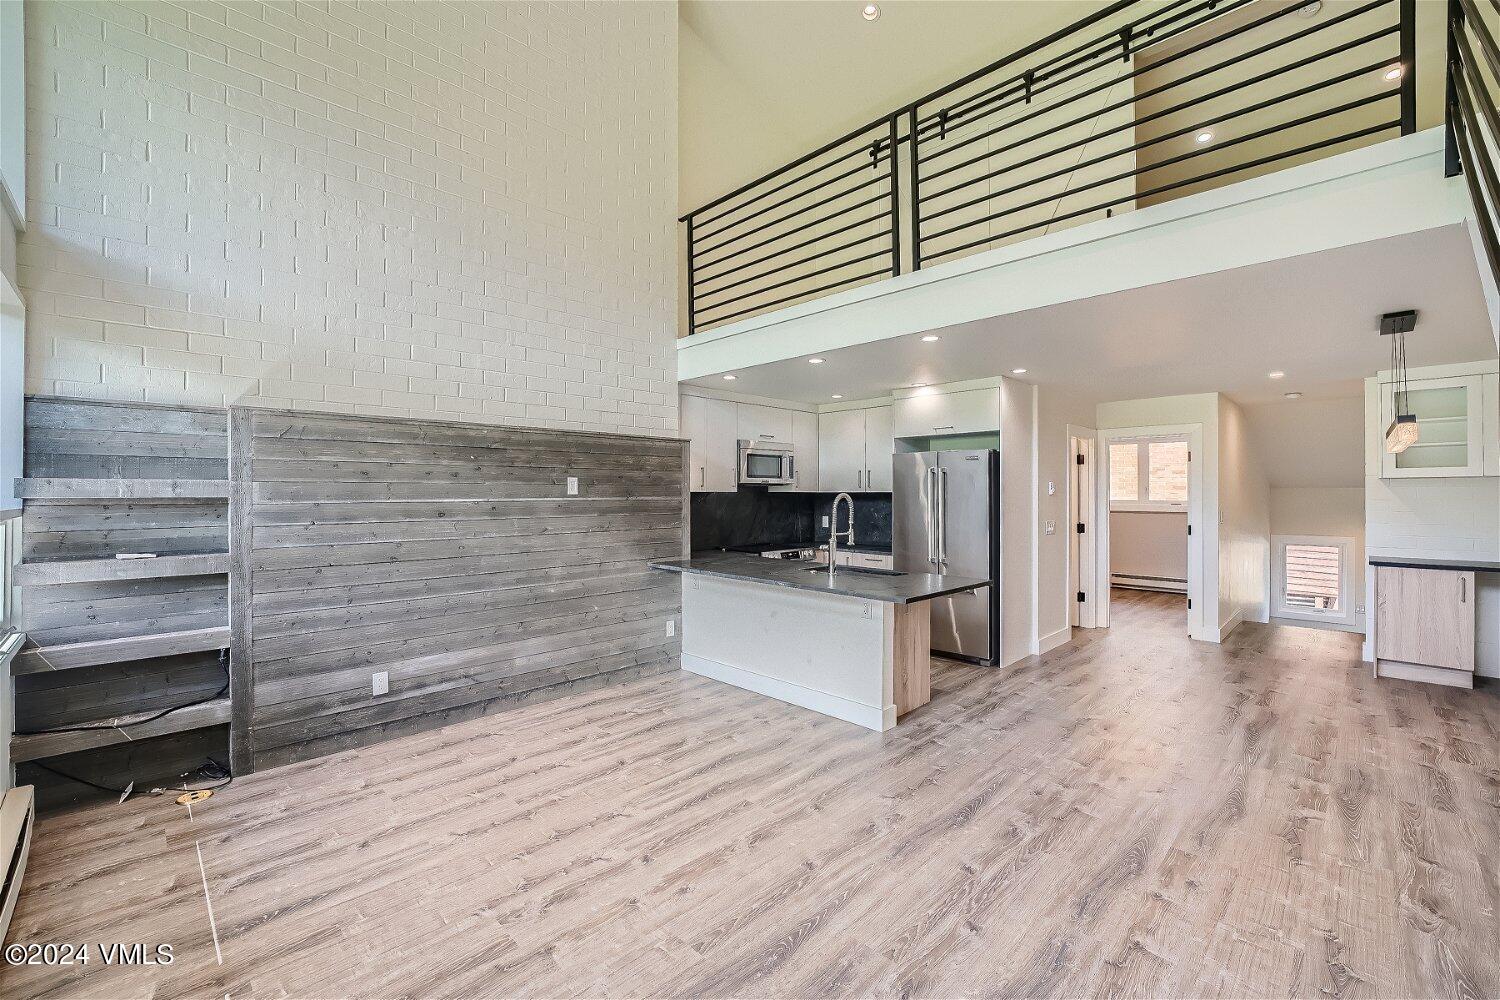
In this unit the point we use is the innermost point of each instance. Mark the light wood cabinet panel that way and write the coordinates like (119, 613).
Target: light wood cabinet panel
(1425, 616)
(711, 426)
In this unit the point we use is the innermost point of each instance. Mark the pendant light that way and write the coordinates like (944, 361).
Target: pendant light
(1403, 431)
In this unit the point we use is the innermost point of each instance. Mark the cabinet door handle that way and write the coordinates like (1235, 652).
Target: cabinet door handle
(702, 476)
(769, 437)
(1463, 590)
(859, 478)
(944, 427)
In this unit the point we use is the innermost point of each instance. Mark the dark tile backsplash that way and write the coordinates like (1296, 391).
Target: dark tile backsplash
(756, 516)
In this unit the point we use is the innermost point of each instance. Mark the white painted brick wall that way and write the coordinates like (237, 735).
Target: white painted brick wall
(456, 210)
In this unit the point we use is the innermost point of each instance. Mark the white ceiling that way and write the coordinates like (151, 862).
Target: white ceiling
(1314, 317)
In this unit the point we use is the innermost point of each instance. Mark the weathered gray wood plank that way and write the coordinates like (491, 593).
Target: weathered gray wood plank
(102, 570)
(70, 656)
(25, 748)
(121, 489)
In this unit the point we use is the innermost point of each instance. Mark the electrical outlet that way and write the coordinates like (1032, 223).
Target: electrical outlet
(1359, 609)
(825, 520)
(1049, 527)
(380, 683)
(1052, 489)
(671, 627)
(572, 486)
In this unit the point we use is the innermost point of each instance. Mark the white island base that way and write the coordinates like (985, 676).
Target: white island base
(866, 662)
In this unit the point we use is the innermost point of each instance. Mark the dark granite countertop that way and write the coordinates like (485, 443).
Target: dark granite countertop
(1456, 565)
(903, 588)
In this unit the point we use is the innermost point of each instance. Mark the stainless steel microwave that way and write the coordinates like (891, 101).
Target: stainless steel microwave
(768, 462)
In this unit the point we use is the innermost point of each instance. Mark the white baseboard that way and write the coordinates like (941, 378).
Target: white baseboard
(869, 716)
(1052, 640)
(1235, 621)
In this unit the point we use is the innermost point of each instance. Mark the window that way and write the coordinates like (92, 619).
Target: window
(1311, 578)
(1148, 474)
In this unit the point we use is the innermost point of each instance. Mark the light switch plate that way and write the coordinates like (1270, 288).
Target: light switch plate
(380, 683)
(1052, 489)
(572, 486)
(671, 627)
(1049, 527)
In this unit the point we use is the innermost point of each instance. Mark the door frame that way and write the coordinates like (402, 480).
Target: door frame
(1081, 501)
(1197, 571)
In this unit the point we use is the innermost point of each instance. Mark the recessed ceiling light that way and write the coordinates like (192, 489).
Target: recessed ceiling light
(1311, 9)
(1276, 374)
(1395, 73)
(1294, 395)
(930, 338)
(730, 378)
(870, 12)
(815, 361)
(838, 395)
(1018, 371)
(1204, 136)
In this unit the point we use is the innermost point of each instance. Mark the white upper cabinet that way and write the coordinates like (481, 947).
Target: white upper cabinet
(935, 414)
(765, 423)
(711, 427)
(1455, 427)
(880, 447)
(804, 453)
(854, 451)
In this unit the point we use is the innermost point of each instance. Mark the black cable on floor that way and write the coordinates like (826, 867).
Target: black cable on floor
(211, 770)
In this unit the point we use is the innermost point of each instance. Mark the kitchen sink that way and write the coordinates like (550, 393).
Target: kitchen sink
(867, 570)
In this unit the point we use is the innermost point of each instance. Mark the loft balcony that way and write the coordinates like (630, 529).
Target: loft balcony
(1145, 143)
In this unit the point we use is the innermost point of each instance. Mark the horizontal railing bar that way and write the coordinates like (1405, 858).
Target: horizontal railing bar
(812, 291)
(800, 229)
(796, 263)
(1022, 53)
(1482, 205)
(1129, 101)
(706, 306)
(795, 246)
(1481, 32)
(879, 179)
(1107, 47)
(1469, 79)
(1177, 134)
(1173, 57)
(785, 201)
(1164, 189)
(1170, 161)
(862, 151)
(882, 122)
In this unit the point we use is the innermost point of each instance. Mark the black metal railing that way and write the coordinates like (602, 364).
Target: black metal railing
(1472, 125)
(1140, 102)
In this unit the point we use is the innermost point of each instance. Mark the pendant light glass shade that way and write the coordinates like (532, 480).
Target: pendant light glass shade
(1402, 434)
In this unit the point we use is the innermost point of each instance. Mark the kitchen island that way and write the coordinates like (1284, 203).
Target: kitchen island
(858, 649)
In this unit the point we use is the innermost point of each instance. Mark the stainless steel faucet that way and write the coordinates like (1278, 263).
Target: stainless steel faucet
(834, 533)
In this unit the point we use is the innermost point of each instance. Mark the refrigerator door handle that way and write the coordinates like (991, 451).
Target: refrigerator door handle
(931, 515)
(942, 517)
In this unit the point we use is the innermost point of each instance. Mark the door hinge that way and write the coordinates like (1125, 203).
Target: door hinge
(1080, 459)
(1190, 604)
(1080, 528)
(1080, 597)
(1190, 529)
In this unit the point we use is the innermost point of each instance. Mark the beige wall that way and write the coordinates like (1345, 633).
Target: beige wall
(1148, 543)
(1244, 522)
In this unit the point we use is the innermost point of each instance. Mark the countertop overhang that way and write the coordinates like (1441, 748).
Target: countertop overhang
(1453, 565)
(905, 588)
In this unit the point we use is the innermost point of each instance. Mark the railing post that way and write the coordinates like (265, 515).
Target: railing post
(895, 204)
(692, 320)
(916, 194)
(1452, 165)
(1408, 14)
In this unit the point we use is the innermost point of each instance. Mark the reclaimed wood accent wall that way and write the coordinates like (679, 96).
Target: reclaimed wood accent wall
(104, 478)
(448, 556)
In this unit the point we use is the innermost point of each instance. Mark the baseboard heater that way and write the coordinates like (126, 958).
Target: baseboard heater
(17, 816)
(1130, 581)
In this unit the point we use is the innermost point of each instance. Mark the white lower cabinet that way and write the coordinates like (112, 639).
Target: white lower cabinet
(711, 427)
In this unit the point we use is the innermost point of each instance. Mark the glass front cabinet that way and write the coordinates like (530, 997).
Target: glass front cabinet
(1454, 425)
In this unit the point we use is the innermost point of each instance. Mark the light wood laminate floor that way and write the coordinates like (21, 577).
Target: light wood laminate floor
(1134, 815)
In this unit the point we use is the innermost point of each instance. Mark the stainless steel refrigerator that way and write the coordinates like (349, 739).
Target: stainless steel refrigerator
(945, 509)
